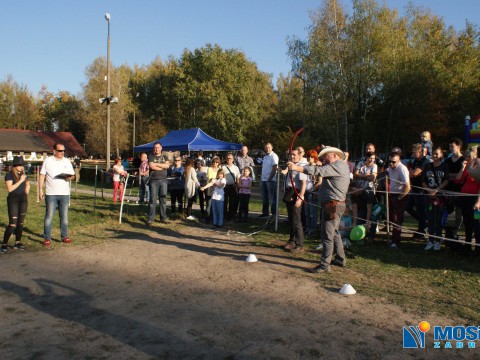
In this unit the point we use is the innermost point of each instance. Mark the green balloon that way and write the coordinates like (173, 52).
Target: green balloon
(357, 233)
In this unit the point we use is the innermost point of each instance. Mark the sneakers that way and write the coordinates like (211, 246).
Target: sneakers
(191, 217)
(428, 246)
(290, 245)
(164, 222)
(19, 246)
(46, 242)
(3, 249)
(339, 263)
(297, 249)
(436, 246)
(393, 246)
(320, 269)
(66, 240)
(319, 247)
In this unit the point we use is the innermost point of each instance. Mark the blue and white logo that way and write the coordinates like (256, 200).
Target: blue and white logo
(414, 336)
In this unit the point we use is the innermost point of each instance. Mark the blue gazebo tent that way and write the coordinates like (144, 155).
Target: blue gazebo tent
(189, 140)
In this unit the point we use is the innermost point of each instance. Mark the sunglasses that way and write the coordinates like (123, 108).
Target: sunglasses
(60, 150)
(393, 162)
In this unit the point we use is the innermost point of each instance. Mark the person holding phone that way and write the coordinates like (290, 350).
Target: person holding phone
(18, 188)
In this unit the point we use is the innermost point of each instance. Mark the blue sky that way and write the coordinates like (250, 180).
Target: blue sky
(51, 42)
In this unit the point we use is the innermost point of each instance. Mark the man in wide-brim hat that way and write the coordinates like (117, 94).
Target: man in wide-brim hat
(332, 194)
(331, 149)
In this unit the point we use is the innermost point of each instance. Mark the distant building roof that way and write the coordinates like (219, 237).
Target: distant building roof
(39, 142)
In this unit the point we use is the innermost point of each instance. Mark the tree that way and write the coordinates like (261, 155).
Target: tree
(17, 106)
(63, 112)
(96, 112)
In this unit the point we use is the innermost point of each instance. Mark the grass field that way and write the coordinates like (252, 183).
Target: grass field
(419, 281)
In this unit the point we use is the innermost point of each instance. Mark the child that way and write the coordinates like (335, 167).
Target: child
(244, 184)
(119, 175)
(218, 198)
(426, 142)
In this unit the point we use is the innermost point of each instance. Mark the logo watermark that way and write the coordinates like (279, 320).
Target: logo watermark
(444, 337)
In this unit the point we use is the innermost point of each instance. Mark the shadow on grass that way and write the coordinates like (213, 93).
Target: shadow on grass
(411, 254)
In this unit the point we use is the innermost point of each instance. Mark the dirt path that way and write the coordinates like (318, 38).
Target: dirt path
(188, 294)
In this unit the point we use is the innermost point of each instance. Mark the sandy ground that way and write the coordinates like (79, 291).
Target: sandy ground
(187, 293)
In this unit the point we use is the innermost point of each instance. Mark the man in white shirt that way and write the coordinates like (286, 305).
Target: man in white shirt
(269, 181)
(56, 173)
(399, 180)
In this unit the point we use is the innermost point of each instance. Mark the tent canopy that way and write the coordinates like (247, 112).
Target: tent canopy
(189, 140)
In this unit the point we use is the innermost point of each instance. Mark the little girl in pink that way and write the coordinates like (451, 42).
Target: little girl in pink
(244, 184)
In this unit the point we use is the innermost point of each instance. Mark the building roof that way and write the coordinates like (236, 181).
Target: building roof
(38, 141)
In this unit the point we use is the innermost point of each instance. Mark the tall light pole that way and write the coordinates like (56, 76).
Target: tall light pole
(107, 167)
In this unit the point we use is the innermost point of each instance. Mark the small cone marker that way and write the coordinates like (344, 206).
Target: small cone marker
(347, 289)
(251, 258)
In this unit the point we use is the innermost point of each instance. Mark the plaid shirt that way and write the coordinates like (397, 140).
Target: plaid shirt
(144, 168)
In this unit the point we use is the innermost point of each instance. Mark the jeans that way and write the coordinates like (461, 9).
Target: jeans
(51, 202)
(176, 196)
(434, 216)
(158, 188)
(416, 208)
(201, 198)
(472, 225)
(144, 189)
(217, 210)
(331, 238)
(269, 196)
(296, 227)
(244, 200)
(396, 207)
(311, 210)
(17, 210)
(231, 202)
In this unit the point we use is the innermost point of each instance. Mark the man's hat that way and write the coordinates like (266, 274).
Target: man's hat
(17, 161)
(331, 149)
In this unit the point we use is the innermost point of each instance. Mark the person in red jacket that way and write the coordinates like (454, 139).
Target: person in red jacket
(469, 204)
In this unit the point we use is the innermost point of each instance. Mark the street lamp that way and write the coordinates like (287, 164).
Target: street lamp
(107, 167)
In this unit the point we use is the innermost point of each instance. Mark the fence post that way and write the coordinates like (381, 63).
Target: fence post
(95, 193)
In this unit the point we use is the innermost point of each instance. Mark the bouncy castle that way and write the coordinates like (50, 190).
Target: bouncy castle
(472, 131)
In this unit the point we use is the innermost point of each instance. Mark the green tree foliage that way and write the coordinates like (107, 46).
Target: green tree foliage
(95, 88)
(376, 76)
(218, 90)
(17, 106)
(62, 112)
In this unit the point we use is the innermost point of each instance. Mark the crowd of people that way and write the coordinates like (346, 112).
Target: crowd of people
(319, 185)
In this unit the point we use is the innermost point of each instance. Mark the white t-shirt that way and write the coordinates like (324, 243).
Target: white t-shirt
(218, 192)
(232, 175)
(52, 167)
(268, 161)
(366, 170)
(399, 177)
(116, 175)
